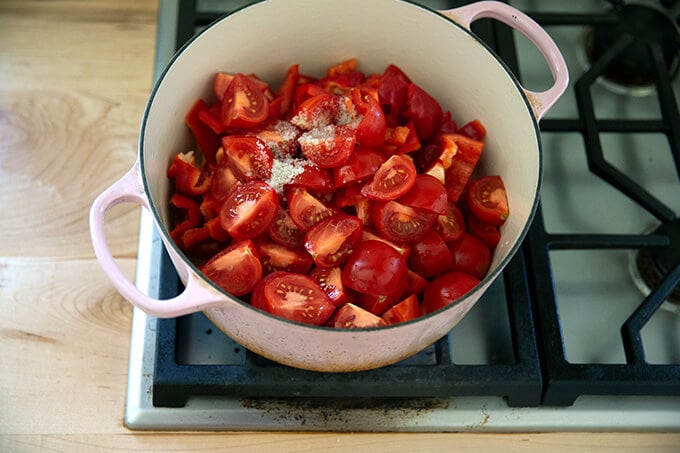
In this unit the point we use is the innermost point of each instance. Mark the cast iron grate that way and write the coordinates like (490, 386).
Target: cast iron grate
(519, 381)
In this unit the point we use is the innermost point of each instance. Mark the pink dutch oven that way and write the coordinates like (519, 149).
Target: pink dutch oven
(437, 50)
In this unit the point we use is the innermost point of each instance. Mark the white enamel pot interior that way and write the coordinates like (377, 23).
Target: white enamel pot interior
(436, 50)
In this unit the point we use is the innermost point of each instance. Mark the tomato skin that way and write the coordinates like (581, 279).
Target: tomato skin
(244, 103)
(236, 269)
(375, 268)
(451, 226)
(331, 241)
(430, 256)
(488, 200)
(377, 304)
(249, 209)
(395, 177)
(445, 290)
(424, 111)
(470, 255)
(487, 233)
(305, 209)
(427, 193)
(295, 297)
(405, 310)
(401, 224)
(403, 249)
(349, 316)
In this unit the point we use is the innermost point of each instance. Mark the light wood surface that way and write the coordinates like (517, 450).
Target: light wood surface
(74, 77)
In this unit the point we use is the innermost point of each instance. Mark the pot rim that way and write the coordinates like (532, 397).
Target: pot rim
(486, 281)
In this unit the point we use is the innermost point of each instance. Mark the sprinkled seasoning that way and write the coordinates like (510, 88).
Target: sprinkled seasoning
(284, 170)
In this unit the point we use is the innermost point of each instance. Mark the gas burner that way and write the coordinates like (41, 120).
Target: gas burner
(650, 265)
(632, 70)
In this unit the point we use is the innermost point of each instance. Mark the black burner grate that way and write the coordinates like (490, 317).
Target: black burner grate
(537, 374)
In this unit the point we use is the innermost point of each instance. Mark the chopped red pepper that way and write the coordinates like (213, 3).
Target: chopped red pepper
(188, 216)
(190, 179)
(206, 139)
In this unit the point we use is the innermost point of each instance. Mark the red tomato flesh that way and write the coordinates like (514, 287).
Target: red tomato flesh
(249, 209)
(488, 200)
(236, 269)
(331, 241)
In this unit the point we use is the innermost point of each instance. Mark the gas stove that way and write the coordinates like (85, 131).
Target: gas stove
(583, 330)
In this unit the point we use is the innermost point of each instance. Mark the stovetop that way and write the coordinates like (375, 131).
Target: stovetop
(570, 338)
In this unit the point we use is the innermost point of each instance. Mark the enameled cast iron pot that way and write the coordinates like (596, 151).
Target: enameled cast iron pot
(436, 50)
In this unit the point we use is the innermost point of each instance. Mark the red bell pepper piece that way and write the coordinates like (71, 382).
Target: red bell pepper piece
(189, 213)
(190, 179)
(206, 139)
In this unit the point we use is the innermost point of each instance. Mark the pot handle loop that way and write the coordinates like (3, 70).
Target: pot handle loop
(540, 101)
(128, 189)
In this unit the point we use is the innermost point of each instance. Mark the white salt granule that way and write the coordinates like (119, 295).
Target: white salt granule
(284, 171)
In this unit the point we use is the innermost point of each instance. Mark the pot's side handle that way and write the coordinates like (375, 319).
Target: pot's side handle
(540, 101)
(128, 189)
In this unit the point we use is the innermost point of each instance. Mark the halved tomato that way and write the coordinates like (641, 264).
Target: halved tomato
(223, 180)
(349, 316)
(402, 224)
(249, 209)
(488, 200)
(404, 311)
(445, 290)
(330, 279)
(451, 226)
(394, 178)
(305, 209)
(328, 146)
(375, 268)
(277, 257)
(293, 296)
(470, 255)
(430, 256)
(281, 137)
(248, 156)
(331, 241)
(244, 103)
(236, 269)
(427, 193)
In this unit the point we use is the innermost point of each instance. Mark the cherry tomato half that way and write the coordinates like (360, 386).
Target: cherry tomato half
(236, 269)
(248, 156)
(394, 178)
(331, 241)
(295, 297)
(401, 224)
(445, 290)
(244, 103)
(488, 200)
(375, 268)
(249, 209)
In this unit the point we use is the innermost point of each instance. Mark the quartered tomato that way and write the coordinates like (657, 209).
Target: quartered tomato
(249, 209)
(277, 257)
(223, 180)
(451, 226)
(330, 279)
(405, 310)
(296, 297)
(305, 209)
(248, 156)
(400, 223)
(349, 316)
(394, 178)
(375, 268)
(331, 241)
(244, 104)
(360, 166)
(488, 200)
(445, 290)
(284, 231)
(236, 269)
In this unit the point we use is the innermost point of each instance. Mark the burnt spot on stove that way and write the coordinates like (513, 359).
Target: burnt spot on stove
(644, 26)
(345, 411)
